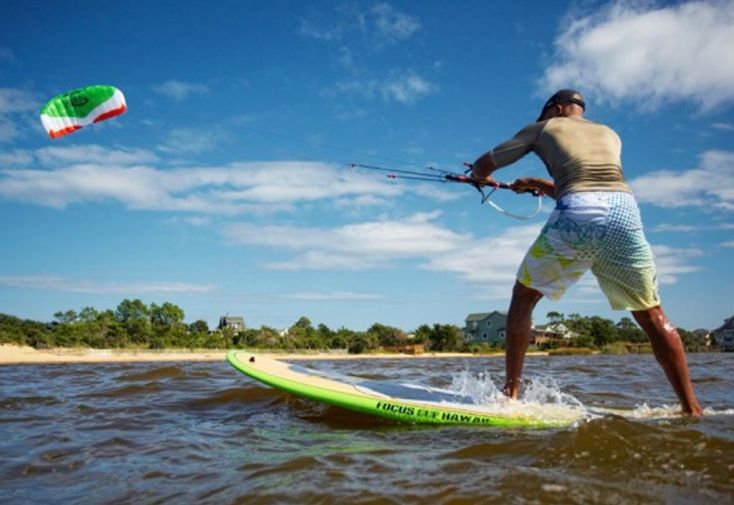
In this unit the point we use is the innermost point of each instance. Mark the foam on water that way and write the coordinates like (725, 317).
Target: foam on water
(542, 398)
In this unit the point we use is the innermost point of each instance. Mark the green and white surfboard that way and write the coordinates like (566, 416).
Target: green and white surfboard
(397, 402)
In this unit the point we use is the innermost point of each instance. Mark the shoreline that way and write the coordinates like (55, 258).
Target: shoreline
(11, 354)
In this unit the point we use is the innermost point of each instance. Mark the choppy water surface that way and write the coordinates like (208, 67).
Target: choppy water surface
(204, 433)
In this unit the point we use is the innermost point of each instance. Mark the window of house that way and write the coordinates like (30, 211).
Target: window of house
(484, 336)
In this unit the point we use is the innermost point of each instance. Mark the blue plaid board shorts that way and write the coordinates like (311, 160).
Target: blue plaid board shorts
(597, 230)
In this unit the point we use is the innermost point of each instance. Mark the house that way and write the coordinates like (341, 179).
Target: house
(236, 323)
(551, 331)
(724, 335)
(485, 327)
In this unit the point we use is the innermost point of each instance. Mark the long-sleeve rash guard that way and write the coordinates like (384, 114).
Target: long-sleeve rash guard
(580, 155)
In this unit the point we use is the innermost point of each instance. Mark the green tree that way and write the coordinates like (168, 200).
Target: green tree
(167, 325)
(628, 331)
(602, 331)
(445, 337)
(554, 317)
(387, 336)
(362, 342)
(134, 316)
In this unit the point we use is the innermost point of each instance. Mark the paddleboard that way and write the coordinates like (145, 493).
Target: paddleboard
(398, 402)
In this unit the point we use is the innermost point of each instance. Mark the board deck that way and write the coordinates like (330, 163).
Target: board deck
(397, 402)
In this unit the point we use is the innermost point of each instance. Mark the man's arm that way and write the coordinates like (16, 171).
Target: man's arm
(483, 167)
(506, 153)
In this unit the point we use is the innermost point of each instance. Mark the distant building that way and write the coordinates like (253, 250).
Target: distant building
(551, 331)
(724, 335)
(236, 323)
(485, 327)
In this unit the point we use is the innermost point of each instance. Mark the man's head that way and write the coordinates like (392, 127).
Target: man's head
(566, 102)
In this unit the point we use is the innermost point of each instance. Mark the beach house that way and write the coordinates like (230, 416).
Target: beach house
(724, 335)
(485, 327)
(236, 323)
(551, 331)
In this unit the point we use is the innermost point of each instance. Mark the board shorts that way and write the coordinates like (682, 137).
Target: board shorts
(596, 230)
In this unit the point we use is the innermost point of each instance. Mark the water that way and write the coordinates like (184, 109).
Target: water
(204, 433)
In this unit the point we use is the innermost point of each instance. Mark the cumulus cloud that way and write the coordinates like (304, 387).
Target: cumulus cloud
(182, 141)
(229, 189)
(711, 185)
(392, 24)
(58, 283)
(14, 105)
(401, 87)
(649, 54)
(354, 246)
(93, 154)
(342, 296)
(382, 24)
(671, 262)
(178, 91)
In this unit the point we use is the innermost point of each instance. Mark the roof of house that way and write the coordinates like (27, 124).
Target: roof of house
(728, 325)
(555, 327)
(232, 319)
(481, 316)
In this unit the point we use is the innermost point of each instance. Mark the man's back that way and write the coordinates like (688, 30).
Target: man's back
(581, 155)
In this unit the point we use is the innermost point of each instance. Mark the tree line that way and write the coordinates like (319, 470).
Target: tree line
(136, 324)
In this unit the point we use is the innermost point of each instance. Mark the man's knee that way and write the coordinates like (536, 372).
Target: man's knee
(523, 296)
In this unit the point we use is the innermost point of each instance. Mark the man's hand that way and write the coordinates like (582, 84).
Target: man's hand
(486, 181)
(534, 184)
(524, 185)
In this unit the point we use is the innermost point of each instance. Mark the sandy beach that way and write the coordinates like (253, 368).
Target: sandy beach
(14, 354)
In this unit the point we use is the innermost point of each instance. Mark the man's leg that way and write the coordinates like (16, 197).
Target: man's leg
(668, 349)
(519, 322)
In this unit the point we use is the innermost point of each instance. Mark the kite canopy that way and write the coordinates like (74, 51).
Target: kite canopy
(76, 109)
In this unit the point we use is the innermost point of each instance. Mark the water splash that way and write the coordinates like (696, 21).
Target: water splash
(542, 398)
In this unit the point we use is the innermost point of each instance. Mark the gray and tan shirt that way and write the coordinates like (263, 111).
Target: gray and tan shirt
(580, 155)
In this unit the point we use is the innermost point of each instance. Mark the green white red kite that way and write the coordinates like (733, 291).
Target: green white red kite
(76, 109)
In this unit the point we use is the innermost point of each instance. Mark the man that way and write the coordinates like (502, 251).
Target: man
(596, 225)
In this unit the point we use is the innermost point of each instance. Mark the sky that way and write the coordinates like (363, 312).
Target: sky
(226, 186)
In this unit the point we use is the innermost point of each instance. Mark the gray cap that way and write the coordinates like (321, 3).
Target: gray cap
(561, 97)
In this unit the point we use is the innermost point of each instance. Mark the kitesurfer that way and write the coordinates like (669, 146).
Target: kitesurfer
(596, 225)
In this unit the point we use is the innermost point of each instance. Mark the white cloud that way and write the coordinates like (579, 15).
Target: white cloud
(93, 154)
(710, 186)
(58, 283)
(192, 140)
(380, 25)
(348, 296)
(723, 126)
(353, 246)
(688, 228)
(392, 25)
(488, 263)
(17, 100)
(14, 105)
(16, 158)
(671, 262)
(649, 54)
(491, 262)
(728, 244)
(402, 87)
(178, 91)
(230, 189)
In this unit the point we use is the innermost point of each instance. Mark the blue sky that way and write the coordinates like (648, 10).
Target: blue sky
(225, 189)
